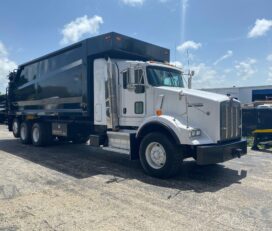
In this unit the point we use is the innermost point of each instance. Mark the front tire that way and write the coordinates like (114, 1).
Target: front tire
(159, 155)
(25, 133)
(16, 128)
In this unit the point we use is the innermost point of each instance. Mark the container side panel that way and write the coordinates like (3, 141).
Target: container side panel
(51, 85)
(142, 50)
(123, 47)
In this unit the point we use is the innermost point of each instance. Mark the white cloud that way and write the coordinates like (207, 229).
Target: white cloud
(75, 30)
(206, 77)
(246, 69)
(261, 27)
(177, 64)
(3, 50)
(227, 71)
(270, 72)
(204, 72)
(225, 56)
(6, 65)
(133, 2)
(269, 58)
(189, 45)
(269, 79)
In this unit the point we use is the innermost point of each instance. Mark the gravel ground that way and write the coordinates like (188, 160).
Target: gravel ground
(75, 187)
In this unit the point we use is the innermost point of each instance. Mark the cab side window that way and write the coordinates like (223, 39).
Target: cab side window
(139, 81)
(125, 79)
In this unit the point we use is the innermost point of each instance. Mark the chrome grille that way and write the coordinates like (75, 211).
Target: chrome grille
(230, 120)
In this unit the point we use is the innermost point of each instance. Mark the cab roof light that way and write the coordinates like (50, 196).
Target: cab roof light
(164, 63)
(118, 38)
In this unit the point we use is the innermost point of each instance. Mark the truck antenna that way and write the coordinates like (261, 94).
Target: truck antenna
(190, 73)
(175, 49)
(188, 61)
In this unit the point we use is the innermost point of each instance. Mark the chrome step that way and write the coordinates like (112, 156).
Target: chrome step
(121, 139)
(122, 151)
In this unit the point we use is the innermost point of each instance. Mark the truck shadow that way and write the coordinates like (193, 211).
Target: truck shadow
(82, 161)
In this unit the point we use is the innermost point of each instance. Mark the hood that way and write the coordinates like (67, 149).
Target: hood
(202, 112)
(196, 93)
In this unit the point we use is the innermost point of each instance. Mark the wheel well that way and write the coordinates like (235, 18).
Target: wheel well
(157, 127)
(148, 128)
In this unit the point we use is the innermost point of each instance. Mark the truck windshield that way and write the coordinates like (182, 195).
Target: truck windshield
(162, 76)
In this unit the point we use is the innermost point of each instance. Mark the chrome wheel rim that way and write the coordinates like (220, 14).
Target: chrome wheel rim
(23, 133)
(155, 155)
(36, 134)
(15, 127)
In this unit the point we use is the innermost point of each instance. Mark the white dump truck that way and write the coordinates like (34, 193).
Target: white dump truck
(122, 95)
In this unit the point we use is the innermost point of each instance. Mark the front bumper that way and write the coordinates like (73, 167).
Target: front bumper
(212, 154)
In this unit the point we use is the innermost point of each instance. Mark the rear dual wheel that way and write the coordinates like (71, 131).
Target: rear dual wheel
(16, 128)
(38, 134)
(25, 132)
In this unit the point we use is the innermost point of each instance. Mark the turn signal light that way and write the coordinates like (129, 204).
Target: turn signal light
(159, 112)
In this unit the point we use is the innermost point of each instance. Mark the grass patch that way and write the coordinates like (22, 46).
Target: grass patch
(250, 140)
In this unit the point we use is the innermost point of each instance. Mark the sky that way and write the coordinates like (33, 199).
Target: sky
(227, 43)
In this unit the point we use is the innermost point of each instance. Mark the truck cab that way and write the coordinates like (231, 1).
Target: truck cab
(151, 114)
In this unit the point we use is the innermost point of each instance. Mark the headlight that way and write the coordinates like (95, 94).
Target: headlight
(195, 132)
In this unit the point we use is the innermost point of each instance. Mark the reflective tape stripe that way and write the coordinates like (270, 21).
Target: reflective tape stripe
(263, 131)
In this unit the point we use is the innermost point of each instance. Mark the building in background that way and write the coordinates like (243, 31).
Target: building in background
(246, 95)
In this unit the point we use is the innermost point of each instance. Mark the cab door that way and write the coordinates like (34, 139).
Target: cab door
(132, 96)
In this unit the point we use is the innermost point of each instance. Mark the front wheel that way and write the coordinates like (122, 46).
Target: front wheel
(159, 155)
